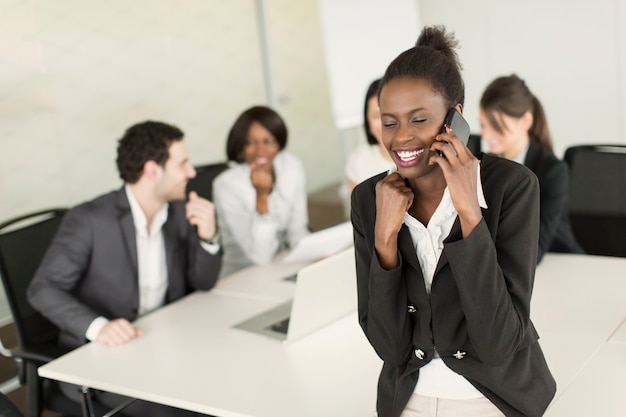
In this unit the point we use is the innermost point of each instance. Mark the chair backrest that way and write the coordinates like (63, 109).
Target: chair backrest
(23, 243)
(597, 197)
(202, 183)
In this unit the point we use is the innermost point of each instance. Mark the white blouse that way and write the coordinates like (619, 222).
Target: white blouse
(249, 237)
(436, 379)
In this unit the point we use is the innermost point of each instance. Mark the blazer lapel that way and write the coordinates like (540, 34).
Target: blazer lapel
(407, 250)
(533, 156)
(455, 234)
(127, 226)
(406, 247)
(170, 241)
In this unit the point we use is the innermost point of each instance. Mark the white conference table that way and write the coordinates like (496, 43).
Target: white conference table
(579, 309)
(190, 357)
(262, 281)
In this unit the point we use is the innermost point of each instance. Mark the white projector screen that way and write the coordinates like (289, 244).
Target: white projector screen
(360, 40)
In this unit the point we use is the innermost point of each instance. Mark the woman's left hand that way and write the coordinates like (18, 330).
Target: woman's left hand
(460, 169)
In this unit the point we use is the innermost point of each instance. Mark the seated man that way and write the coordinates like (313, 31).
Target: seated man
(129, 252)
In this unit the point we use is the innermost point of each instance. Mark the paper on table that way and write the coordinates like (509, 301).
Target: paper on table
(321, 244)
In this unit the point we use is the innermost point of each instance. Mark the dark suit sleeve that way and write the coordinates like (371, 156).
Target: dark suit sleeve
(204, 267)
(553, 199)
(51, 290)
(495, 276)
(191, 267)
(382, 294)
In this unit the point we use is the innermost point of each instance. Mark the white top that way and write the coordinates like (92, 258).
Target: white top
(436, 379)
(365, 162)
(151, 264)
(248, 237)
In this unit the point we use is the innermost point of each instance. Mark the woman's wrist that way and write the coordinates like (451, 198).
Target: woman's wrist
(262, 203)
(387, 251)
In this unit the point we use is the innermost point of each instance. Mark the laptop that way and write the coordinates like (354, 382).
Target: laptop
(322, 243)
(325, 292)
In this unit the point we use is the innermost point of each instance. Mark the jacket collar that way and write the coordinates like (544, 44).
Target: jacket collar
(127, 225)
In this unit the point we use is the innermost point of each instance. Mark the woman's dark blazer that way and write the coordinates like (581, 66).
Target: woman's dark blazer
(479, 305)
(555, 232)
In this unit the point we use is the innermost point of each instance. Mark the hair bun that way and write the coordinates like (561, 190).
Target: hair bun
(437, 38)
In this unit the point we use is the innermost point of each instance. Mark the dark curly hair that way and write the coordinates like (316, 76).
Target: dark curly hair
(143, 142)
(237, 135)
(433, 59)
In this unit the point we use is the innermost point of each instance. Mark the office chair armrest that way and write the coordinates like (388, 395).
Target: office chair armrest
(42, 354)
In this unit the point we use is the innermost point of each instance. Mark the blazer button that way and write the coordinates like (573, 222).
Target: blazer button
(419, 353)
(412, 309)
(459, 354)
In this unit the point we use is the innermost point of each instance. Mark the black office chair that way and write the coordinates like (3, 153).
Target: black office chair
(597, 197)
(23, 243)
(202, 183)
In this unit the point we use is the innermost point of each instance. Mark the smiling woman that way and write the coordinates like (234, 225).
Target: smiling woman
(444, 289)
(261, 199)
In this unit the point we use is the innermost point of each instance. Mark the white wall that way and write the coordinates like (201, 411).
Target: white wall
(358, 47)
(570, 52)
(74, 74)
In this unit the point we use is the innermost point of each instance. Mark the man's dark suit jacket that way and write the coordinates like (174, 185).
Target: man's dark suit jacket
(479, 306)
(555, 232)
(90, 269)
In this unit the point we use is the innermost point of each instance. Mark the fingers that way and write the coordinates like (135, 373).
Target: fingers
(200, 212)
(262, 180)
(453, 149)
(393, 200)
(393, 196)
(117, 332)
(198, 207)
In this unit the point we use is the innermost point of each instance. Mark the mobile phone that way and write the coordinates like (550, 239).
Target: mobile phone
(458, 124)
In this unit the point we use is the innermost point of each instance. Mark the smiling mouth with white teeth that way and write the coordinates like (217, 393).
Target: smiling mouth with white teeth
(408, 156)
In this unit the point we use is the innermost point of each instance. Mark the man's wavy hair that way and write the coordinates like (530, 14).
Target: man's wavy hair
(143, 142)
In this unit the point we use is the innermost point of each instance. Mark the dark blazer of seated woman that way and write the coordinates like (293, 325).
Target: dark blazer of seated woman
(514, 125)
(555, 232)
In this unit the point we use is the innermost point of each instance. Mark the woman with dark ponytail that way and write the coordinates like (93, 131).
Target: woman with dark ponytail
(446, 252)
(514, 125)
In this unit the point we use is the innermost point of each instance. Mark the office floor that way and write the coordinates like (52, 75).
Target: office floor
(325, 209)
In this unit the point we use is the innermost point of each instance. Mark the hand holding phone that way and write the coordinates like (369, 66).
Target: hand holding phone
(459, 126)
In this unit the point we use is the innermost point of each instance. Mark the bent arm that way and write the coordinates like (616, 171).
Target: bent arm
(65, 262)
(495, 279)
(204, 266)
(382, 294)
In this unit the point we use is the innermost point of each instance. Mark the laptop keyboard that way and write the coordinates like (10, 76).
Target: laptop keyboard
(291, 278)
(281, 326)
